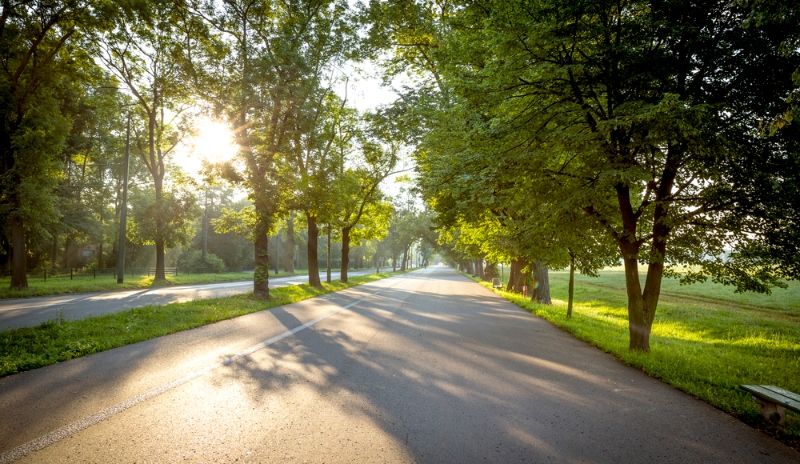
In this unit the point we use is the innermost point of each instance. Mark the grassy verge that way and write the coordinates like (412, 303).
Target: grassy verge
(62, 285)
(706, 340)
(52, 342)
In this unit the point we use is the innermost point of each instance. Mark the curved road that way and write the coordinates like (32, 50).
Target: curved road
(29, 312)
(427, 367)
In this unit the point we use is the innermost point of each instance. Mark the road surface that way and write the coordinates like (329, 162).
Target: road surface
(29, 312)
(425, 367)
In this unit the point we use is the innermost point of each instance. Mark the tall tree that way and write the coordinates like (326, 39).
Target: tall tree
(39, 54)
(151, 50)
(266, 86)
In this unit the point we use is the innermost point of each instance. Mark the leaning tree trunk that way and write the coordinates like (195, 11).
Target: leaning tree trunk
(345, 254)
(261, 252)
(19, 271)
(405, 259)
(312, 247)
(541, 284)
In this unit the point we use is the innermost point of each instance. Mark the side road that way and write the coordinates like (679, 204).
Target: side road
(29, 312)
(422, 367)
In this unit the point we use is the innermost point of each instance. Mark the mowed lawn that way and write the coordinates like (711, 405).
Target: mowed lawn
(707, 340)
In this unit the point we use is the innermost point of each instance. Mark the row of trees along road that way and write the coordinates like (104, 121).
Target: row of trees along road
(74, 72)
(587, 132)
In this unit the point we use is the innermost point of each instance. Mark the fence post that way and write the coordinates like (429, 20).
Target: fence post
(70, 273)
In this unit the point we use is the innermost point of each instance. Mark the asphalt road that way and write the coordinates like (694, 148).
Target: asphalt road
(423, 367)
(29, 312)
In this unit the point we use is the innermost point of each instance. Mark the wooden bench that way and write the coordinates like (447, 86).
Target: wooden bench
(774, 401)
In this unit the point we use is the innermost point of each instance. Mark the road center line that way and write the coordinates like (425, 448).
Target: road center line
(70, 429)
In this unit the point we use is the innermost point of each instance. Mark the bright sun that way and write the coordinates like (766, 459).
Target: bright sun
(213, 141)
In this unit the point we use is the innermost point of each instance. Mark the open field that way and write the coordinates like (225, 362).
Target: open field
(37, 286)
(706, 340)
(52, 342)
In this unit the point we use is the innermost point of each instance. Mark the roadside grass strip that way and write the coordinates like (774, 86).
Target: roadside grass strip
(705, 341)
(37, 286)
(55, 341)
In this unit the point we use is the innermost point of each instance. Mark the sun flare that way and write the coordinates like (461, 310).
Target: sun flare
(213, 141)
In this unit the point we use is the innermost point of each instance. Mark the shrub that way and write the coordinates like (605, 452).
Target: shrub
(192, 261)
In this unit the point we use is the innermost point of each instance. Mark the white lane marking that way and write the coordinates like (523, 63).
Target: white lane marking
(70, 429)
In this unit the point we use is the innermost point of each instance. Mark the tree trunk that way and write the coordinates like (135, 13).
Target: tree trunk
(289, 252)
(261, 252)
(19, 265)
(479, 269)
(394, 263)
(313, 260)
(541, 284)
(277, 253)
(155, 166)
(328, 257)
(490, 271)
(160, 248)
(571, 291)
(345, 254)
(405, 259)
(516, 278)
(638, 325)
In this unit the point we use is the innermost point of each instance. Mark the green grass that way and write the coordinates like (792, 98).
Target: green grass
(61, 285)
(706, 339)
(55, 341)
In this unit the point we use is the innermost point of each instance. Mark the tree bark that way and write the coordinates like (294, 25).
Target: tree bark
(313, 259)
(517, 277)
(405, 259)
(261, 252)
(345, 254)
(19, 270)
(160, 248)
(541, 284)
(156, 169)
